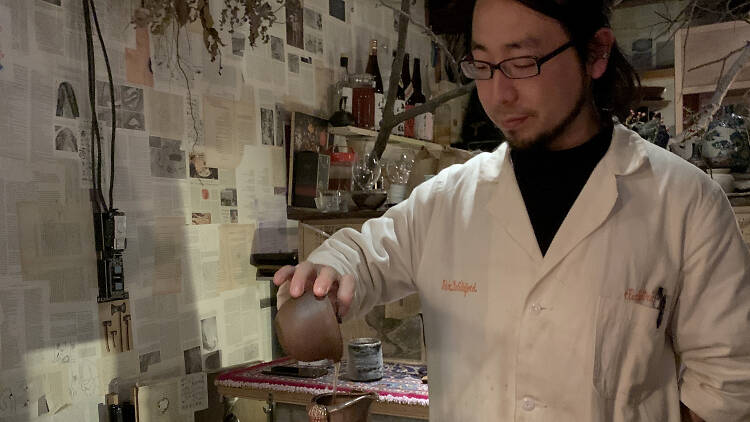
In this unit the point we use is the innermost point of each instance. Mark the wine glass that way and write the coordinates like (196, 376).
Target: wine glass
(398, 172)
(366, 171)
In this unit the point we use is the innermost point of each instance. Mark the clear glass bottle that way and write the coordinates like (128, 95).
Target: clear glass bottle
(340, 173)
(342, 87)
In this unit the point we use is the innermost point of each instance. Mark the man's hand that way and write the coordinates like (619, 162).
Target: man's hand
(323, 280)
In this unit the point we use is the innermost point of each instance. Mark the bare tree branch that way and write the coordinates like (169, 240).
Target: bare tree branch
(389, 119)
(427, 31)
(722, 87)
(432, 104)
(723, 59)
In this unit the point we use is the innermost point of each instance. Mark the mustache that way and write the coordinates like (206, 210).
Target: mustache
(505, 113)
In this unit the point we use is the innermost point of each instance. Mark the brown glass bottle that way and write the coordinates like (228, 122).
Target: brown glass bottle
(373, 68)
(405, 80)
(416, 98)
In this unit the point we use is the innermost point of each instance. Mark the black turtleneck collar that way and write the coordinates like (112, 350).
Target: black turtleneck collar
(550, 181)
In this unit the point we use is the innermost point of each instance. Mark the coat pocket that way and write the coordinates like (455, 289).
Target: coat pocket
(628, 349)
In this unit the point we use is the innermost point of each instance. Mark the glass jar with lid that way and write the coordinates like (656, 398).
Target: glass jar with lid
(340, 172)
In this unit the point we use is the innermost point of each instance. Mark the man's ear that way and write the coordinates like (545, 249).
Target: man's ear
(600, 47)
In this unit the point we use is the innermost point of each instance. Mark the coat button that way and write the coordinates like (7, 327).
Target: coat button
(528, 404)
(536, 308)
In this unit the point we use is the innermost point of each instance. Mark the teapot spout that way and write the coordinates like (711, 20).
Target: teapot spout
(349, 407)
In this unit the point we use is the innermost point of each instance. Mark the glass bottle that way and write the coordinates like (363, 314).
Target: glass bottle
(404, 82)
(398, 172)
(423, 126)
(363, 100)
(405, 79)
(416, 98)
(343, 85)
(340, 173)
(374, 69)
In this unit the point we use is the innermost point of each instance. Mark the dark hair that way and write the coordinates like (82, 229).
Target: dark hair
(617, 90)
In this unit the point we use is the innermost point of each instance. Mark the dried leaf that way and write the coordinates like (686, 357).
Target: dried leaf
(182, 11)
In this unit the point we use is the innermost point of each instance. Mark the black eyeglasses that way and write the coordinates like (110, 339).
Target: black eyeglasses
(514, 68)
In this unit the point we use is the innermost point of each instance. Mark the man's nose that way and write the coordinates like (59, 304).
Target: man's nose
(503, 88)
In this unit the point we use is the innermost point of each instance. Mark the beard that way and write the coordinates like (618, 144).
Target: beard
(544, 139)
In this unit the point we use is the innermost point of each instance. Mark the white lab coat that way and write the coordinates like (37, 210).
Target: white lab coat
(571, 336)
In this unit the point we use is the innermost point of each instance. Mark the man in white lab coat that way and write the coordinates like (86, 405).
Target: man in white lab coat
(572, 273)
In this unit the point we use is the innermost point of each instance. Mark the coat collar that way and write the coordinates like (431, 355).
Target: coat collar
(626, 154)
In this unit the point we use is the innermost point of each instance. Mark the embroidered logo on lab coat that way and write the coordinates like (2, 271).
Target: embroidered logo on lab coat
(642, 297)
(459, 286)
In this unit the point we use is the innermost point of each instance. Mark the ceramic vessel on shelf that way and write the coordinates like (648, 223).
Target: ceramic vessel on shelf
(724, 178)
(725, 144)
(369, 199)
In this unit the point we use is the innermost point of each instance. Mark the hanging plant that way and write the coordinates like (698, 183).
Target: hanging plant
(257, 14)
(160, 15)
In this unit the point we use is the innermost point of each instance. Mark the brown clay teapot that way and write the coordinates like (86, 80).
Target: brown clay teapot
(308, 329)
(349, 407)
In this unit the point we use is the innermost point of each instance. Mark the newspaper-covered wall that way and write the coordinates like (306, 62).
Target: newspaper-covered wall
(196, 171)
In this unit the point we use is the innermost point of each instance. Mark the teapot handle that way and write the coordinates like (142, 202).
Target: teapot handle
(365, 396)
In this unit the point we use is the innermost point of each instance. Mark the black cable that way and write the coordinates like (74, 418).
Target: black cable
(95, 136)
(112, 101)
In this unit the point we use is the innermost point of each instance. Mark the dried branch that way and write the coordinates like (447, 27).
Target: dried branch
(257, 15)
(713, 10)
(723, 60)
(722, 87)
(389, 119)
(432, 104)
(427, 31)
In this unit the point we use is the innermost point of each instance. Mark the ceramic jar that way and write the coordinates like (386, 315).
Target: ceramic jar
(725, 144)
(365, 359)
(724, 179)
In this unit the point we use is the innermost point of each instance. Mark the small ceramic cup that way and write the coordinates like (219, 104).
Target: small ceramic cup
(365, 359)
(308, 329)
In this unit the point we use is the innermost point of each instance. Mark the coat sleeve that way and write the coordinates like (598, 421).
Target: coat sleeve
(711, 323)
(385, 255)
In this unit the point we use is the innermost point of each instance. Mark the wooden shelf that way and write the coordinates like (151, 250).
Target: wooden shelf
(356, 132)
(307, 214)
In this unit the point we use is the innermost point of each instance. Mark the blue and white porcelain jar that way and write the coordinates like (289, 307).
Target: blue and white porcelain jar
(725, 144)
